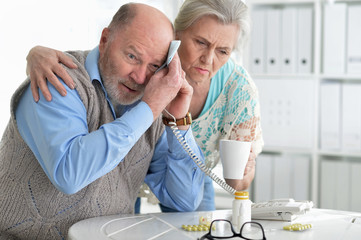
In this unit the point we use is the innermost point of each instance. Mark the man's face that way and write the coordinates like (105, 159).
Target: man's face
(128, 59)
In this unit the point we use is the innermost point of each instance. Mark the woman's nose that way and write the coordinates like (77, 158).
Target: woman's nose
(207, 57)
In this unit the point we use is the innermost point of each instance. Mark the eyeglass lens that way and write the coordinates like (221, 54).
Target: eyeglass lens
(252, 231)
(221, 229)
(249, 230)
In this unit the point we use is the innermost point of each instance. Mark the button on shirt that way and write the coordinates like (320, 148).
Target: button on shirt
(58, 135)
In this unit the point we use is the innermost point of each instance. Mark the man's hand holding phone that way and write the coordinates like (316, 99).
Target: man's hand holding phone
(169, 89)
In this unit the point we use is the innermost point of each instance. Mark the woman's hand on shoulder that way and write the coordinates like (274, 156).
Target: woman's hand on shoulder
(44, 64)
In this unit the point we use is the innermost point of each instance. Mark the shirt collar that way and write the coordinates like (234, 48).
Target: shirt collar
(91, 65)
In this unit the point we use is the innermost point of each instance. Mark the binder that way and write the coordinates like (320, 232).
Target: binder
(354, 40)
(355, 192)
(263, 182)
(258, 36)
(282, 177)
(273, 45)
(328, 182)
(289, 40)
(304, 39)
(270, 121)
(298, 111)
(351, 117)
(287, 112)
(335, 184)
(334, 39)
(330, 109)
(342, 185)
(300, 178)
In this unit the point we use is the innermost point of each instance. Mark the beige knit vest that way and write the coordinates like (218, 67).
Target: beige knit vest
(32, 208)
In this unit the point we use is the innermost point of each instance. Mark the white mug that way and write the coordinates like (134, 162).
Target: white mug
(234, 157)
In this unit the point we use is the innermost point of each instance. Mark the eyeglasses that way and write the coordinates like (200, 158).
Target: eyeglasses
(223, 229)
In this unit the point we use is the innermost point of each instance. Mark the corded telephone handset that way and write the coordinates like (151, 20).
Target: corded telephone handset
(174, 45)
(172, 51)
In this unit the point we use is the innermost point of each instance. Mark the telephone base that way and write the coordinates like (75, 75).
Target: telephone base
(280, 209)
(279, 216)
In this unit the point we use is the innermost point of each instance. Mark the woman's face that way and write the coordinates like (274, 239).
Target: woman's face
(205, 47)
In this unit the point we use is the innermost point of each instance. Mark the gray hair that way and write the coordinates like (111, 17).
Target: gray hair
(227, 12)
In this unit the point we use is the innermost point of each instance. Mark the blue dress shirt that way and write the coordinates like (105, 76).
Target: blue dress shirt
(72, 158)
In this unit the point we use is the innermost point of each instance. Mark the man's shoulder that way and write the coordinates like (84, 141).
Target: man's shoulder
(79, 74)
(78, 55)
(83, 85)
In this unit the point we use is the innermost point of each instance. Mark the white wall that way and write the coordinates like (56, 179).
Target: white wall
(65, 25)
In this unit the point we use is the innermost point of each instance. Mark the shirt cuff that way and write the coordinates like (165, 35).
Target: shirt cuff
(175, 147)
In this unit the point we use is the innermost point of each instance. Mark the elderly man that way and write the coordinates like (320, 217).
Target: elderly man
(87, 154)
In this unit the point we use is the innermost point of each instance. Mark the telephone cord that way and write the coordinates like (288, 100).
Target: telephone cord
(196, 160)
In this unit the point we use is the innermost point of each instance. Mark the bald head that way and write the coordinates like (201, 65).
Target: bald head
(150, 17)
(141, 21)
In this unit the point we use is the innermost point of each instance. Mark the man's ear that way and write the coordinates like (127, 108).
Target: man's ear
(103, 40)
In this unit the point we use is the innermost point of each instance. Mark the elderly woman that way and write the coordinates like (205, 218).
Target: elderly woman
(225, 102)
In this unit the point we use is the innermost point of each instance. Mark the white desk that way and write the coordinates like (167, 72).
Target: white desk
(326, 224)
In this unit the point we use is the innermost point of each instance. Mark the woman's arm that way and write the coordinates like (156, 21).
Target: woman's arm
(248, 131)
(44, 64)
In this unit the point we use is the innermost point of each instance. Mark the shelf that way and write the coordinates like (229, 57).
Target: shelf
(280, 2)
(341, 77)
(286, 150)
(340, 154)
(307, 151)
(284, 76)
(342, 1)
(290, 2)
